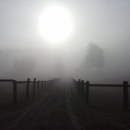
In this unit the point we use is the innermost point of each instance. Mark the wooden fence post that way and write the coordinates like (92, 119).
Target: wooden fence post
(83, 89)
(79, 87)
(15, 91)
(75, 84)
(27, 90)
(47, 85)
(50, 84)
(38, 86)
(42, 85)
(125, 94)
(87, 92)
(34, 84)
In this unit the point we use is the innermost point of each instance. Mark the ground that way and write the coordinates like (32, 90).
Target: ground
(63, 109)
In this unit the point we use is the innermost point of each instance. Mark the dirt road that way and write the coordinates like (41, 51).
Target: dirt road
(62, 109)
(52, 112)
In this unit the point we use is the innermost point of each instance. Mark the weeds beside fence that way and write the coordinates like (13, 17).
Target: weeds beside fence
(83, 90)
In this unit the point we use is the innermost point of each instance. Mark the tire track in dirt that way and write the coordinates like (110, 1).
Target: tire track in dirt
(73, 118)
(51, 113)
(23, 114)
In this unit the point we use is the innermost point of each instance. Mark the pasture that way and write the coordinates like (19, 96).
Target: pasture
(104, 109)
(107, 97)
(6, 96)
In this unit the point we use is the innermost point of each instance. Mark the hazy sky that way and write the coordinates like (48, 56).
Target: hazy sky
(100, 21)
(104, 22)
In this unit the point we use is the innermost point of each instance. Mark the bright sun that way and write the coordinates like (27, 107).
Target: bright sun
(55, 24)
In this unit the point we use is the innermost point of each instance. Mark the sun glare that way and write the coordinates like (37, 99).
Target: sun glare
(55, 24)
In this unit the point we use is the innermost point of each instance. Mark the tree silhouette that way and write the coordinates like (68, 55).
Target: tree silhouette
(95, 56)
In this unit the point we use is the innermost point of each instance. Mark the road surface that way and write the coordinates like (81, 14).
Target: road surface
(62, 109)
(52, 112)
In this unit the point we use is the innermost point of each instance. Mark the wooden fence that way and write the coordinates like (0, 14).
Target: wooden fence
(46, 86)
(84, 92)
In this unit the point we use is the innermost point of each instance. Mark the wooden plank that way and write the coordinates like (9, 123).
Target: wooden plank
(38, 85)
(82, 89)
(125, 94)
(45, 86)
(42, 85)
(87, 92)
(31, 81)
(34, 84)
(21, 81)
(106, 85)
(6, 80)
(15, 91)
(27, 90)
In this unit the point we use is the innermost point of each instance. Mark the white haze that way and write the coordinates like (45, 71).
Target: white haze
(24, 53)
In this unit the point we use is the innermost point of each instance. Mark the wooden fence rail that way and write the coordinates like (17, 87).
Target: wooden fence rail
(46, 86)
(80, 86)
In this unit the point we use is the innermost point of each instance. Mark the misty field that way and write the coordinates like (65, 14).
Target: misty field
(6, 91)
(105, 109)
(63, 104)
(106, 97)
(6, 97)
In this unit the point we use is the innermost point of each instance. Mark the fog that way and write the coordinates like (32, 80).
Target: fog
(24, 53)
